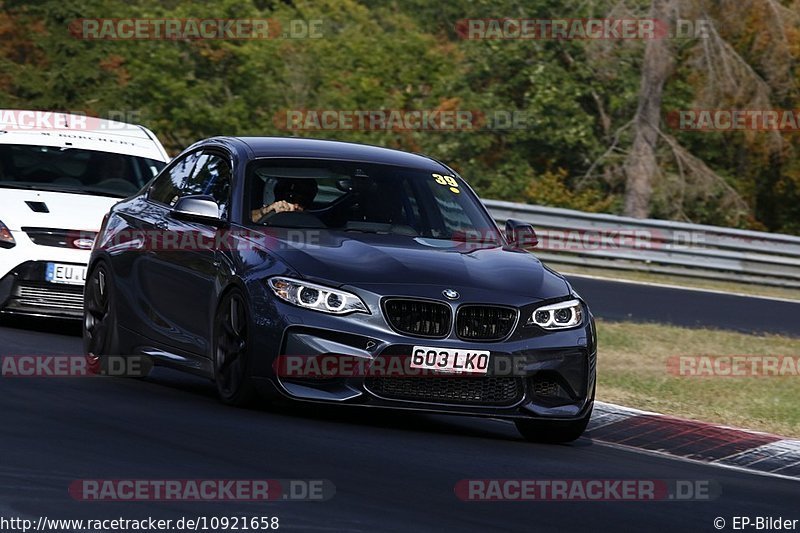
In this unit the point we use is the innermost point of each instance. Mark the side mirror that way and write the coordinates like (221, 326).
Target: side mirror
(197, 208)
(521, 234)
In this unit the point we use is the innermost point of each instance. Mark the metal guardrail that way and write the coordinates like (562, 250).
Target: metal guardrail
(659, 246)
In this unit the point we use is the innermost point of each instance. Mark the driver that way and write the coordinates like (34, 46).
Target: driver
(291, 194)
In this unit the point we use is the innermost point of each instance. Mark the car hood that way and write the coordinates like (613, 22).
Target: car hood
(66, 210)
(371, 261)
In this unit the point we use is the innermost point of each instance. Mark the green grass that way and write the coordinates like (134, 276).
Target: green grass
(632, 371)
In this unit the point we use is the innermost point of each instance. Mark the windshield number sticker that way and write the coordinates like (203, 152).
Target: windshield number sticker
(448, 181)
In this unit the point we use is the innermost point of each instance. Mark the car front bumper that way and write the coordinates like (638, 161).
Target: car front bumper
(23, 285)
(548, 376)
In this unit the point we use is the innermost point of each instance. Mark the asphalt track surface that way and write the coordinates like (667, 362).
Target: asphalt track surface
(617, 300)
(391, 471)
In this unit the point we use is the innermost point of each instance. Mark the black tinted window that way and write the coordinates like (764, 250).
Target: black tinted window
(167, 187)
(74, 170)
(364, 197)
(211, 176)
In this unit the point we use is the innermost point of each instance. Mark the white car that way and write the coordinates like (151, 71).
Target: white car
(59, 175)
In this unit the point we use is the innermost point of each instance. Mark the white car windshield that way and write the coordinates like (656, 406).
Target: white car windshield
(74, 170)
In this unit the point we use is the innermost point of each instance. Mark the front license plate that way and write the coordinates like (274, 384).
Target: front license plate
(450, 360)
(61, 273)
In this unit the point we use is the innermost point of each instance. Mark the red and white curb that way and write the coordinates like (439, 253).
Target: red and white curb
(697, 441)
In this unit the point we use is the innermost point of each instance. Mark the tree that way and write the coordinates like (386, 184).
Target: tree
(641, 166)
(724, 78)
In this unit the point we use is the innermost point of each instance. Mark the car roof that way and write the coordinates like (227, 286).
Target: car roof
(46, 128)
(294, 147)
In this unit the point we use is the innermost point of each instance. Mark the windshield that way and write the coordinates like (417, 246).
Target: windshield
(73, 170)
(364, 197)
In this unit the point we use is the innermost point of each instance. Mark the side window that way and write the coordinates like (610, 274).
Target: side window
(211, 176)
(166, 189)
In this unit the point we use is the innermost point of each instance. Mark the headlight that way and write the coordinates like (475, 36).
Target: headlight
(6, 239)
(316, 297)
(562, 315)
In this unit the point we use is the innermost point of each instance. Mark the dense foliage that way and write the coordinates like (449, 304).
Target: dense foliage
(577, 97)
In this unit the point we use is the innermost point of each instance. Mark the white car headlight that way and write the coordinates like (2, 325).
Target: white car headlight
(6, 239)
(562, 315)
(316, 297)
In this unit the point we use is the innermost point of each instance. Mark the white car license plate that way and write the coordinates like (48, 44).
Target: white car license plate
(450, 360)
(70, 274)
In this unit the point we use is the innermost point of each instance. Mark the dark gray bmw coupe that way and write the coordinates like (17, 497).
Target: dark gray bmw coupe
(323, 271)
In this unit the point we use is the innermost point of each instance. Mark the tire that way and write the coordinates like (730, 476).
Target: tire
(231, 351)
(100, 334)
(553, 431)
